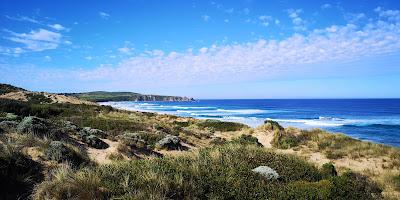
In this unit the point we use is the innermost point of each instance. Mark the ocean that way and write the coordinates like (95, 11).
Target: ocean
(376, 120)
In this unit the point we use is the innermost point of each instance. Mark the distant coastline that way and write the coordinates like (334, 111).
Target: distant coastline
(103, 96)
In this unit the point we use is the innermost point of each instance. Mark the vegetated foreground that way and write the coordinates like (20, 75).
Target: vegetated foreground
(52, 150)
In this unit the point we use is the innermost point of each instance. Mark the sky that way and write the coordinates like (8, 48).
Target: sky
(204, 49)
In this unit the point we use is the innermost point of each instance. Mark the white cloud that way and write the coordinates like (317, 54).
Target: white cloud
(298, 22)
(125, 50)
(57, 27)
(260, 59)
(23, 19)
(104, 15)
(205, 17)
(47, 58)
(393, 15)
(264, 18)
(38, 40)
(89, 58)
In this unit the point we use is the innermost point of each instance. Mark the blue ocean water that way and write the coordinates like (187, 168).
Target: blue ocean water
(375, 120)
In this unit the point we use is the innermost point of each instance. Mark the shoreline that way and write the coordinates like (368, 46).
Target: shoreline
(241, 120)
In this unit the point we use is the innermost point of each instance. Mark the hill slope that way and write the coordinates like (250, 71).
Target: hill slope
(102, 96)
(15, 93)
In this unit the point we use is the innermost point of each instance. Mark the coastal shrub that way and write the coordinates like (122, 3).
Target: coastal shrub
(221, 125)
(247, 140)
(33, 125)
(396, 181)
(96, 132)
(8, 117)
(112, 126)
(38, 98)
(150, 138)
(18, 173)
(29, 109)
(169, 142)
(272, 125)
(218, 141)
(328, 170)
(284, 139)
(92, 141)
(60, 152)
(352, 185)
(223, 172)
(65, 183)
(308, 190)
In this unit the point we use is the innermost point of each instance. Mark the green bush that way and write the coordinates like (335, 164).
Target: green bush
(218, 141)
(220, 125)
(247, 140)
(328, 170)
(38, 98)
(272, 125)
(223, 172)
(352, 185)
(60, 152)
(33, 125)
(284, 140)
(396, 181)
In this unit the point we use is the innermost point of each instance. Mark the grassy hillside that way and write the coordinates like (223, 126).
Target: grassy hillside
(78, 151)
(101, 96)
(6, 88)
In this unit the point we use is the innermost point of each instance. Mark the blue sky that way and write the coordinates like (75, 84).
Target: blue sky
(204, 49)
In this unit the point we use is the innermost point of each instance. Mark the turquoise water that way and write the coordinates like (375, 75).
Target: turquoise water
(375, 120)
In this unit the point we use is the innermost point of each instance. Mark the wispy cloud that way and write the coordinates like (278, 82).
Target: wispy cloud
(298, 22)
(104, 15)
(57, 27)
(89, 58)
(393, 15)
(205, 17)
(38, 40)
(326, 6)
(23, 19)
(125, 50)
(261, 59)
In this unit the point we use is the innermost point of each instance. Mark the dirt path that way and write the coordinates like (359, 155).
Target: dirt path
(100, 155)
